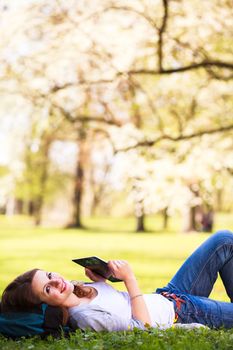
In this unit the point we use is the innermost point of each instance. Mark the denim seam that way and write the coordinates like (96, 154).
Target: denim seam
(194, 283)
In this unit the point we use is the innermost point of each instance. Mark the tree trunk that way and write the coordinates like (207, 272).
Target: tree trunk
(40, 198)
(190, 220)
(207, 221)
(165, 219)
(19, 206)
(219, 200)
(79, 184)
(78, 192)
(136, 119)
(140, 223)
(38, 205)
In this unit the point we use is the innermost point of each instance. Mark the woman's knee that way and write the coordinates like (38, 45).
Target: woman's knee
(223, 237)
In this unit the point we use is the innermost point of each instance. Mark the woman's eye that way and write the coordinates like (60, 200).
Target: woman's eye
(47, 289)
(50, 275)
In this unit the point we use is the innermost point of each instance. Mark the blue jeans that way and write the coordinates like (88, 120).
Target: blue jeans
(195, 279)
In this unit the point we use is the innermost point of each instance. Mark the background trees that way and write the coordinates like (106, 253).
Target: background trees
(144, 92)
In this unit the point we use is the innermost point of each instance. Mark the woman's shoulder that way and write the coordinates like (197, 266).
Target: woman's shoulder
(93, 284)
(100, 285)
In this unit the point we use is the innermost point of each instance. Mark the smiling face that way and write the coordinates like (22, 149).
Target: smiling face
(52, 289)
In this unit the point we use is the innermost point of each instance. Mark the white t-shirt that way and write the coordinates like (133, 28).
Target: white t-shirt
(161, 310)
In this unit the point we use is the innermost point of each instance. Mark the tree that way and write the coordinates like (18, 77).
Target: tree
(156, 68)
(39, 179)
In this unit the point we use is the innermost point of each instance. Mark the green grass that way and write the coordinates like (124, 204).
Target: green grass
(171, 339)
(155, 257)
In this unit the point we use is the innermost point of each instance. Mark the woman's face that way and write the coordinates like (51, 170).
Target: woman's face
(51, 288)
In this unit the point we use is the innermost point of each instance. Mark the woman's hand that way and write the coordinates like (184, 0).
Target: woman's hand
(121, 269)
(94, 276)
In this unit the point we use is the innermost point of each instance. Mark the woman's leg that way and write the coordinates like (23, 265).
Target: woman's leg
(212, 313)
(199, 272)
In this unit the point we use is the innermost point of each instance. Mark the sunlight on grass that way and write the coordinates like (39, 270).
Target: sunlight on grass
(155, 257)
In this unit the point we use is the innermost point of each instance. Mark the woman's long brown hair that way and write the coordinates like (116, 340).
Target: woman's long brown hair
(18, 295)
(82, 291)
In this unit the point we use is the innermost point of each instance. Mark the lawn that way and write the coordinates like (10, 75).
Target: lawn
(155, 256)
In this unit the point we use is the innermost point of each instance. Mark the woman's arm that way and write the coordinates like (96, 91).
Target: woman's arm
(122, 270)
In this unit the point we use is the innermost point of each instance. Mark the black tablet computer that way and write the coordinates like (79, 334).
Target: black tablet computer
(98, 266)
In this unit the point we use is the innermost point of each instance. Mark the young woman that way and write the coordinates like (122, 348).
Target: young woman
(99, 306)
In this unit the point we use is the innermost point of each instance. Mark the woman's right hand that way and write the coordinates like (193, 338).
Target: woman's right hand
(121, 270)
(94, 276)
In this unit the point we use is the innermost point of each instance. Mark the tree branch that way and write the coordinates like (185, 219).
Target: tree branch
(229, 170)
(130, 9)
(55, 88)
(161, 31)
(84, 118)
(150, 143)
(203, 64)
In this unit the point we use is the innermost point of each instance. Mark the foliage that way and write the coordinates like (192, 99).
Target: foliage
(158, 84)
(3, 171)
(172, 339)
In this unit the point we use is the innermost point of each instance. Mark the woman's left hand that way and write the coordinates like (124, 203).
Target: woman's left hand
(121, 269)
(94, 276)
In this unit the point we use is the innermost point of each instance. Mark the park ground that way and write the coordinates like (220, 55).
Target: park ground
(155, 256)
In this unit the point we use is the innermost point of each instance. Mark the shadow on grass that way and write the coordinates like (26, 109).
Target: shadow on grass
(101, 229)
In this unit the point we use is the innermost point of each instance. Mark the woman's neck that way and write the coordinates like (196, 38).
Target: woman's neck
(72, 300)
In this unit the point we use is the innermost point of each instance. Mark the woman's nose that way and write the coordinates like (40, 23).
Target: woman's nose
(55, 282)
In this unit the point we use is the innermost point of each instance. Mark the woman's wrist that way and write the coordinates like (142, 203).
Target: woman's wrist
(130, 279)
(136, 296)
(132, 287)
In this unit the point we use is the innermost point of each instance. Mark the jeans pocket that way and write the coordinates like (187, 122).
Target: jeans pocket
(192, 312)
